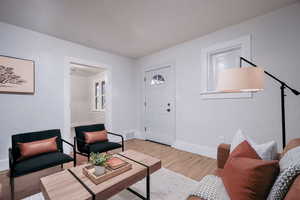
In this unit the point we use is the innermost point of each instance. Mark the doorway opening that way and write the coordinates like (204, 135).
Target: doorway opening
(87, 95)
(84, 67)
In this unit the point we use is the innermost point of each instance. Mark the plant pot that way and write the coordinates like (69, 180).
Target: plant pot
(99, 170)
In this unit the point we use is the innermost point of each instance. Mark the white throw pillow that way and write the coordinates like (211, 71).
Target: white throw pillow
(267, 151)
(237, 139)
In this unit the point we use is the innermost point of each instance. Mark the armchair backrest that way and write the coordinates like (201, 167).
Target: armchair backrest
(34, 136)
(79, 131)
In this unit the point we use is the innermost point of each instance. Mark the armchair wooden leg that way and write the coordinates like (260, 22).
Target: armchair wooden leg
(62, 166)
(12, 188)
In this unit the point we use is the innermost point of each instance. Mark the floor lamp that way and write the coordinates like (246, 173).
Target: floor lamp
(251, 79)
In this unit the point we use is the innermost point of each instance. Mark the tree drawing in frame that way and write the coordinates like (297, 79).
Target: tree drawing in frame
(8, 76)
(16, 75)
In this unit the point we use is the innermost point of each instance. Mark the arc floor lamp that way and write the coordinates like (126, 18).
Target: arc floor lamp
(251, 79)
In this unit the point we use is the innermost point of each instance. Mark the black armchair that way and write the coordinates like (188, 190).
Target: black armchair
(85, 149)
(39, 162)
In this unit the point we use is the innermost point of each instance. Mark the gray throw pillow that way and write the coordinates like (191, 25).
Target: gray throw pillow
(207, 188)
(291, 157)
(211, 187)
(283, 182)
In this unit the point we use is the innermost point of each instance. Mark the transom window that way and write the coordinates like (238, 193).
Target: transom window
(157, 80)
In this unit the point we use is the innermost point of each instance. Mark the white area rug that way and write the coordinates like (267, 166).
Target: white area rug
(165, 185)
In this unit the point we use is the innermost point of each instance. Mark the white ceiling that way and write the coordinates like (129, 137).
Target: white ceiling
(132, 28)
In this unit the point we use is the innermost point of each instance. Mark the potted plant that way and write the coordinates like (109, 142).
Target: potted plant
(99, 162)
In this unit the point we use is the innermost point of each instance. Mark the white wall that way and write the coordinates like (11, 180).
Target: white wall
(201, 124)
(45, 109)
(80, 99)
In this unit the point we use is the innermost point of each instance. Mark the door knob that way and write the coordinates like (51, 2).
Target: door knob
(168, 110)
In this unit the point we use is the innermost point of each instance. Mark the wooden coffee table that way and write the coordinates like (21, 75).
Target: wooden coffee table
(72, 184)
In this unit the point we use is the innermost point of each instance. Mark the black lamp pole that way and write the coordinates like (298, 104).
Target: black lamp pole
(282, 88)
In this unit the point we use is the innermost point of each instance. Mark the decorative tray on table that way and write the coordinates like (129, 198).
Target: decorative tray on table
(112, 170)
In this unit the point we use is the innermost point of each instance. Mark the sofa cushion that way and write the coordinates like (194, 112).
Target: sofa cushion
(79, 131)
(104, 146)
(294, 191)
(30, 149)
(95, 136)
(40, 162)
(34, 136)
(283, 182)
(289, 170)
(246, 176)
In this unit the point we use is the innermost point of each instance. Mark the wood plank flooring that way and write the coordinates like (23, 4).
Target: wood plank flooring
(188, 164)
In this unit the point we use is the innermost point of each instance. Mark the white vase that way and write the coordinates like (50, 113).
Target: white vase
(99, 170)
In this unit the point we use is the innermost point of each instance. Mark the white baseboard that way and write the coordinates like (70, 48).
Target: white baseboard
(4, 164)
(139, 135)
(198, 149)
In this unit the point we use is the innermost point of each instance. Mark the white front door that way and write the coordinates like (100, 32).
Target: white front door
(160, 105)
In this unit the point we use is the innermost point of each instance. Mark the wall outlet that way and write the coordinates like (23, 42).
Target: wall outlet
(129, 135)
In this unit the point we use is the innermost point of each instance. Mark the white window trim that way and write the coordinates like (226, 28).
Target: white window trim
(245, 43)
(94, 97)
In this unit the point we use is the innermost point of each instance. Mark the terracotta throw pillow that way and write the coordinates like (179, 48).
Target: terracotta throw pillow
(30, 149)
(246, 176)
(96, 136)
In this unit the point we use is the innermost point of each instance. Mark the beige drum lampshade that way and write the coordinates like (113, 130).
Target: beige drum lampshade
(244, 79)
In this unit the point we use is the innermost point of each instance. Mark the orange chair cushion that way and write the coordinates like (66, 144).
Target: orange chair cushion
(96, 136)
(30, 149)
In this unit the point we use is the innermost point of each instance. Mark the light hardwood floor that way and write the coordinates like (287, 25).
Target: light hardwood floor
(188, 164)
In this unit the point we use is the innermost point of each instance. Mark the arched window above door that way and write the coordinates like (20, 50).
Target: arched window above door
(157, 80)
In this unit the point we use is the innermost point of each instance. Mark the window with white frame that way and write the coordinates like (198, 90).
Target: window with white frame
(219, 61)
(99, 96)
(219, 57)
(103, 95)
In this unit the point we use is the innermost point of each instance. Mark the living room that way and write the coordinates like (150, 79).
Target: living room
(163, 60)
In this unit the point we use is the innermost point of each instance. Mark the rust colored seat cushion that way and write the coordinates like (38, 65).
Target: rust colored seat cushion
(95, 136)
(30, 149)
(246, 176)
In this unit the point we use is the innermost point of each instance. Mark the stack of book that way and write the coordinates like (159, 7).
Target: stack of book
(115, 163)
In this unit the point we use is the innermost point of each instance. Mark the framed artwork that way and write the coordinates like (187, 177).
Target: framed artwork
(16, 75)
